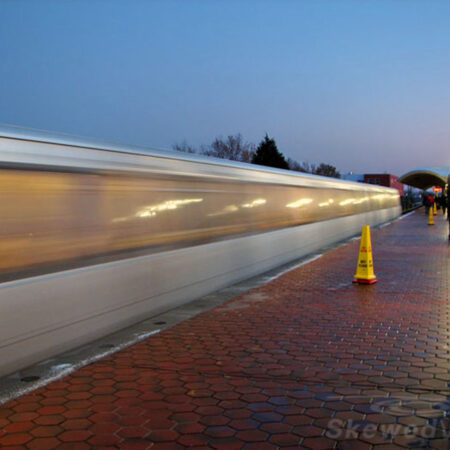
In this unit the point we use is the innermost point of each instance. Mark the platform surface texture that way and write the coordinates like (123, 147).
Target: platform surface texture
(308, 360)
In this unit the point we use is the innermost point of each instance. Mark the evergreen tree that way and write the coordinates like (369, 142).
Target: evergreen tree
(267, 154)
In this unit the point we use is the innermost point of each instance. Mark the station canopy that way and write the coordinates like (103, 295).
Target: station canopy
(426, 177)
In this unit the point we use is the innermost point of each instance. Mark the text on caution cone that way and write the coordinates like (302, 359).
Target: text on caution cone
(364, 270)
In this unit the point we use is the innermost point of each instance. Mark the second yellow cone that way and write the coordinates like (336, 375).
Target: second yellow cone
(364, 270)
(430, 216)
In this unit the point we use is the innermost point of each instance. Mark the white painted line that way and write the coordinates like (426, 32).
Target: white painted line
(296, 266)
(61, 370)
(384, 225)
(406, 215)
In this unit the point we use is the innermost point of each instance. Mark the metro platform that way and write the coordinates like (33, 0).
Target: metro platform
(307, 360)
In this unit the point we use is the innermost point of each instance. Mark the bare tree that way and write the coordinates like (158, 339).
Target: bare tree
(295, 165)
(309, 167)
(183, 146)
(327, 170)
(304, 166)
(233, 147)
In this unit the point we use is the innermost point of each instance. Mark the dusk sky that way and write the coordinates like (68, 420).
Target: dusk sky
(363, 85)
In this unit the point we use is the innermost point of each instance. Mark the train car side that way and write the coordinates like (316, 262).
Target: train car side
(94, 240)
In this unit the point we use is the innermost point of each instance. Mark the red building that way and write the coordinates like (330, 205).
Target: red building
(384, 179)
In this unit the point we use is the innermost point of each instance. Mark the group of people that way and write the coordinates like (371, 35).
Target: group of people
(442, 201)
(429, 200)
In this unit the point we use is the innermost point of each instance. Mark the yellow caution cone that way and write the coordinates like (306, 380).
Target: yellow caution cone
(435, 208)
(430, 217)
(364, 270)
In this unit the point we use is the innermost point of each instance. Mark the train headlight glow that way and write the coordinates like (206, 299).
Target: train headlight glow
(152, 210)
(347, 201)
(257, 202)
(227, 210)
(361, 200)
(328, 203)
(300, 203)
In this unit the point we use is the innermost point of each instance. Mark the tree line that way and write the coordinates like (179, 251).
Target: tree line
(235, 148)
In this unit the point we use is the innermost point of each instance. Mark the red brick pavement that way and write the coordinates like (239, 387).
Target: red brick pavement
(307, 361)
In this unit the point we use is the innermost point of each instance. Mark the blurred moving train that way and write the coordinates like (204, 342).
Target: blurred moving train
(95, 236)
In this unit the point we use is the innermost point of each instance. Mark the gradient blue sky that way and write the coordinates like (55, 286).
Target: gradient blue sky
(363, 85)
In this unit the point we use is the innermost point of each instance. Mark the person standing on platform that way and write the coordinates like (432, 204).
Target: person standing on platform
(443, 202)
(426, 203)
(448, 214)
(429, 202)
(447, 196)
